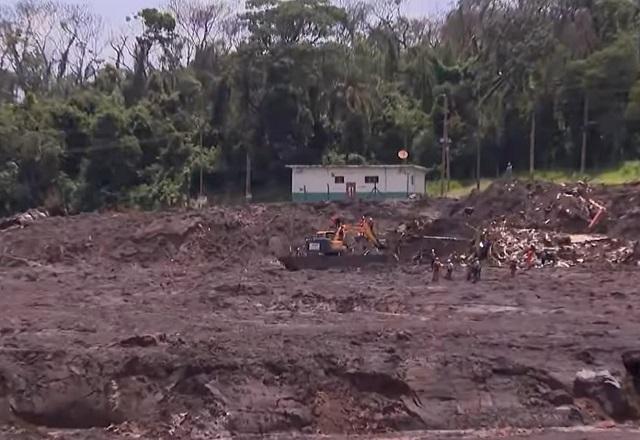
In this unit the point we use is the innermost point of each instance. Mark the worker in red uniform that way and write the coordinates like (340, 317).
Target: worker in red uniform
(530, 257)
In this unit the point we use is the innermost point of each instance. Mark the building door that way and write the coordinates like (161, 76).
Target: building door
(351, 190)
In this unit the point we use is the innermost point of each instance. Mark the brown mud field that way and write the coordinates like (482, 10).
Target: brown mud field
(183, 325)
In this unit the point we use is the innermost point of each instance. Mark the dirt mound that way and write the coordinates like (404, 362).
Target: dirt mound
(176, 324)
(420, 235)
(549, 206)
(218, 235)
(623, 203)
(223, 235)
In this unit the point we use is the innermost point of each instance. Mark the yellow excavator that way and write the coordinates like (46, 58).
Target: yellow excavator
(345, 245)
(335, 242)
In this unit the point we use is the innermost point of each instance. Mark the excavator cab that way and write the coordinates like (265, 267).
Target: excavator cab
(325, 243)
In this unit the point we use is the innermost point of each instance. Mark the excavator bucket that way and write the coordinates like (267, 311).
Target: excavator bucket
(323, 262)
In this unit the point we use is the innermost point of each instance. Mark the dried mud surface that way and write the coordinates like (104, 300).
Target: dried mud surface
(183, 325)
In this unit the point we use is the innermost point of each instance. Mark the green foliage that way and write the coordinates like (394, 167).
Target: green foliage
(307, 81)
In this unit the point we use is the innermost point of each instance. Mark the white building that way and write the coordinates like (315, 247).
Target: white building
(339, 182)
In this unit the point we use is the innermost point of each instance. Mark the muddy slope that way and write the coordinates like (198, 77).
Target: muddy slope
(182, 325)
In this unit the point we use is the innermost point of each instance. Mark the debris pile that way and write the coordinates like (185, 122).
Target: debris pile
(536, 205)
(23, 219)
(562, 250)
(414, 240)
(624, 208)
(563, 221)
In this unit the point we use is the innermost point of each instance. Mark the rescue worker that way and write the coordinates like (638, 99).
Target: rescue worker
(530, 257)
(473, 270)
(449, 274)
(483, 245)
(436, 270)
(548, 257)
(477, 269)
(434, 258)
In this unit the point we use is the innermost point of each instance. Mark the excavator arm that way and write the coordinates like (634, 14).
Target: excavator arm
(363, 229)
(330, 250)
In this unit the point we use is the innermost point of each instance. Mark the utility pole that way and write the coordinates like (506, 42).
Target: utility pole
(201, 164)
(532, 143)
(585, 128)
(478, 161)
(445, 142)
(247, 183)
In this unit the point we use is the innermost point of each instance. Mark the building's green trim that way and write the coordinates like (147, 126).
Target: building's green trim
(320, 197)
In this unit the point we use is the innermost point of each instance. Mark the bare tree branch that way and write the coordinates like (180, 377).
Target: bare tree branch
(201, 23)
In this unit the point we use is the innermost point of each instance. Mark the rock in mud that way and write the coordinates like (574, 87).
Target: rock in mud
(71, 410)
(604, 389)
(570, 415)
(631, 361)
(139, 341)
(559, 397)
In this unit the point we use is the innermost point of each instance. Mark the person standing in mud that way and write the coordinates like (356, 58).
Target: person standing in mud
(449, 275)
(477, 269)
(436, 270)
(530, 257)
(434, 258)
(548, 257)
(473, 270)
(509, 172)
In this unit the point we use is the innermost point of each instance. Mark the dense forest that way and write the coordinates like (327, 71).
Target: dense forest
(187, 97)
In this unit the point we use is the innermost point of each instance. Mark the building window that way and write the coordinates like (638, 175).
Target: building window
(338, 179)
(371, 179)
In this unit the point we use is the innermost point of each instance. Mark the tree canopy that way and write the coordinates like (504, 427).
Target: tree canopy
(93, 117)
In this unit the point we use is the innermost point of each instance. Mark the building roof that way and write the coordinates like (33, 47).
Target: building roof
(328, 167)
